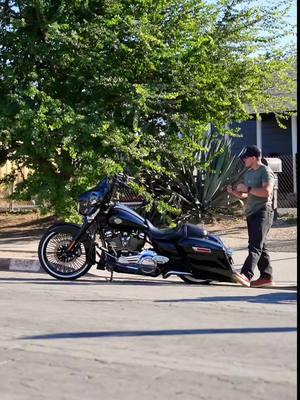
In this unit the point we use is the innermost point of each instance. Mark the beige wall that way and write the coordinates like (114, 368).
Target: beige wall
(5, 170)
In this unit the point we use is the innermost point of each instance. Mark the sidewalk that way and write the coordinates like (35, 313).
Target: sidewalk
(19, 253)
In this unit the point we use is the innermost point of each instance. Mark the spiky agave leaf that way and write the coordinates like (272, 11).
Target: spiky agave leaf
(206, 188)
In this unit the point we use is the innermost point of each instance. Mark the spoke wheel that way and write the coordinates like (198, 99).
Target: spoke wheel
(57, 260)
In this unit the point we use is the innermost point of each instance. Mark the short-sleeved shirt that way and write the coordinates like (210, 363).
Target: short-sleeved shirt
(256, 179)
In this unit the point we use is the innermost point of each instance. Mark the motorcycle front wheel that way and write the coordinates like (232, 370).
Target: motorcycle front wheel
(56, 260)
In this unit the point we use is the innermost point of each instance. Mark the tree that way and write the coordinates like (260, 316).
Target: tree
(91, 87)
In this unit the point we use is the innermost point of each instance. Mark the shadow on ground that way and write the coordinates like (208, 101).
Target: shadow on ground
(268, 298)
(164, 332)
(102, 280)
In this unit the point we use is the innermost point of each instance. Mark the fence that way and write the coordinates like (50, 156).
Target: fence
(286, 198)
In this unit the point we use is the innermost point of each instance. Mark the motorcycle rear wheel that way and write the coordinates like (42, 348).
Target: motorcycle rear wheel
(192, 280)
(56, 260)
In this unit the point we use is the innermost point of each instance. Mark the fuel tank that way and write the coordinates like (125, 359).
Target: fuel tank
(123, 217)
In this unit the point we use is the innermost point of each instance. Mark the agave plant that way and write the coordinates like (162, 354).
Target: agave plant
(223, 168)
(199, 188)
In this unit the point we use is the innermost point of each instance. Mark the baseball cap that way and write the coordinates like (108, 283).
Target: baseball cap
(251, 151)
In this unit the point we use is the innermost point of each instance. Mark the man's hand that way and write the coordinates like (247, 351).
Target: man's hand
(237, 193)
(242, 188)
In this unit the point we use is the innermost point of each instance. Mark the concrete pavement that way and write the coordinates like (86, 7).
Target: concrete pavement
(19, 253)
(146, 338)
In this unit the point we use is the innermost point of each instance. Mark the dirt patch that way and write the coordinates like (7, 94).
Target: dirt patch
(281, 238)
(29, 223)
(232, 228)
(282, 228)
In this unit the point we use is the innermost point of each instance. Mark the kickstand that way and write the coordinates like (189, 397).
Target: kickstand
(111, 270)
(111, 275)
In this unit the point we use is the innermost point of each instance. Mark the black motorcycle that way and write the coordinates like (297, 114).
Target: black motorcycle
(116, 238)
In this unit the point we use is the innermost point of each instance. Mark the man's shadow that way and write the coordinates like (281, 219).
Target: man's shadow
(268, 298)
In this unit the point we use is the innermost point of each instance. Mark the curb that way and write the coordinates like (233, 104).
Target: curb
(21, 265)
(24, 265)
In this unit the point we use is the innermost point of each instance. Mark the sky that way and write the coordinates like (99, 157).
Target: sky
(291, 18)
(293, 14)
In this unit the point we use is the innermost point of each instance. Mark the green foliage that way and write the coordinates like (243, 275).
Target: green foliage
(199, 187)
(90, 87)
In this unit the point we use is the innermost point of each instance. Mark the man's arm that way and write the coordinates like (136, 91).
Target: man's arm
(264, 191)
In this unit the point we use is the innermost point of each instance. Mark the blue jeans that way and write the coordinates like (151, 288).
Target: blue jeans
(258, 225)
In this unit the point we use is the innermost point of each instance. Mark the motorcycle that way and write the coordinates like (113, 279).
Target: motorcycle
(117, 239)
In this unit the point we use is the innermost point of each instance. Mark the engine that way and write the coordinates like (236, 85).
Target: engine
(128, 248)
(125, 243)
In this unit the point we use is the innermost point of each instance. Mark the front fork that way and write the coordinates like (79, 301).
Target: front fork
(89, 239)
(88, 228)
(84, 227)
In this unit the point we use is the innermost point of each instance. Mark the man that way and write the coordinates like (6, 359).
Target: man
(258, 189)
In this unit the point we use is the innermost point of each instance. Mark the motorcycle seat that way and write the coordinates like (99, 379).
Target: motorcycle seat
(194, 231)
(164, 234)
(186, 230)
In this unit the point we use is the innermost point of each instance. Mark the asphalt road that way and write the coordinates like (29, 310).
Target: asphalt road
(144, 339)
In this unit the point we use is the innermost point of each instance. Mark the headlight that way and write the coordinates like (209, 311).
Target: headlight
(85, 207)
(89, 201)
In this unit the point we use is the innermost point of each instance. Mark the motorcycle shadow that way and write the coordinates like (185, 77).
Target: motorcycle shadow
(119, 281)
(88, 281)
